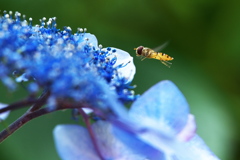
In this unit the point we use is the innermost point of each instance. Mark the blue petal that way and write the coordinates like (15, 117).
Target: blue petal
(137, 145)
(163, 103)
(73, 143)
(110, 147)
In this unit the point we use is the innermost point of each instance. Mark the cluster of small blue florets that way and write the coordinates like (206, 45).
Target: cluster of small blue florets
(44, 57)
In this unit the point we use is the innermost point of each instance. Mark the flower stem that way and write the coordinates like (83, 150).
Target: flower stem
(21, 121)
(41, 101)
(32, 113)
(17, 105)
(93, 138)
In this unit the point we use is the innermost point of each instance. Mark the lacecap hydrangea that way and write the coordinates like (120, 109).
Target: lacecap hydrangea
(70, 66)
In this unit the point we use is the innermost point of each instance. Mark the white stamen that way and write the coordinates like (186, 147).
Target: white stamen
(80, 29)
(6, 15)
(69, 28)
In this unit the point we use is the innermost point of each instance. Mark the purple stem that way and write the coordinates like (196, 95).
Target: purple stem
(32, 113)
(92, 136)
(17, 105)
(21, 121)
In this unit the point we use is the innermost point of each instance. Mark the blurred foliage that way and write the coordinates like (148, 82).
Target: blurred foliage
(204, 38)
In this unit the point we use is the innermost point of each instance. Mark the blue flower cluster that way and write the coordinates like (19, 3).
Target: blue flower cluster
(69, 65)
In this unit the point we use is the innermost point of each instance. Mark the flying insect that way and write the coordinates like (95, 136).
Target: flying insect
(145, 52)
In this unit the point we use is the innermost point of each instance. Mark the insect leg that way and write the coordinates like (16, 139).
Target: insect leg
(166, 63)
(143, 58)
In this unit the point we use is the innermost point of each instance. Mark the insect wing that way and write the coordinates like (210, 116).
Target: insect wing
(161, 47)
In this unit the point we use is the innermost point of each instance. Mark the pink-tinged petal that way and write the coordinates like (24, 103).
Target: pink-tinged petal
(189, 130)
(197, 150)
(3, 115)
(165, 104)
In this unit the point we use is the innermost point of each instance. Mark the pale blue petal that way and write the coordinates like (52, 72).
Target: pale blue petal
(111, 147)
(73, 143)
(126, 60)
(22, 78)
(91, 38)
(164, 103)
(3, 115)
(137, 145)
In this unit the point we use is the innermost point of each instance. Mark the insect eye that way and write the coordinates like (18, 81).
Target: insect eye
(139, 50)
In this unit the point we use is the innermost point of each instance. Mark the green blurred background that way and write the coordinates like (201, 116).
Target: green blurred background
(204, 38)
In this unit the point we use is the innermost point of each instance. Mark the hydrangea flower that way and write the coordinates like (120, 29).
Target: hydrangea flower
(160, 128)
(69, 65)
(68, 70)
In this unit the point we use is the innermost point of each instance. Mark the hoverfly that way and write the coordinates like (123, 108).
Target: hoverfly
(145, 52)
